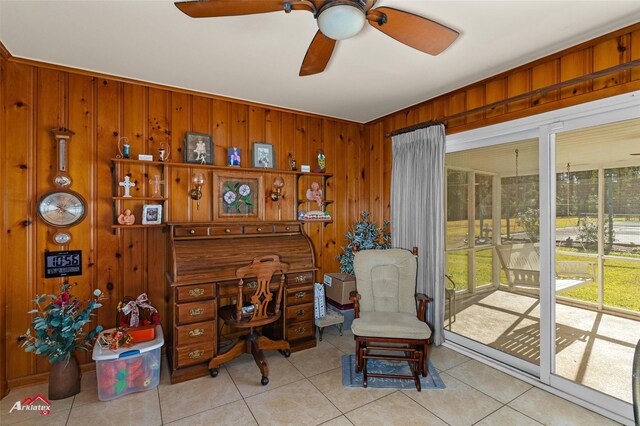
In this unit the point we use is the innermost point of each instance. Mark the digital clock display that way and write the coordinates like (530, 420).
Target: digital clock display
(62, 263)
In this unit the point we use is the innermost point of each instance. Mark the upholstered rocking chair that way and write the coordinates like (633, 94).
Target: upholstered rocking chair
(387, 321)
(263, 308)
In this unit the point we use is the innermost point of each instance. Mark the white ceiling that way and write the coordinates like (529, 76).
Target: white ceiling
(257, 57)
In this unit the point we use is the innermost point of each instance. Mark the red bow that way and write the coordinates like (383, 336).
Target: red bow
(133, 308)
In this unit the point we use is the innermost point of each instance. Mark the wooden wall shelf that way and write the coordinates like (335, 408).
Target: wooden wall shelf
(227, 168)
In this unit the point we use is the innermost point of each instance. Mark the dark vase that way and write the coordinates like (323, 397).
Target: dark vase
(64, 379)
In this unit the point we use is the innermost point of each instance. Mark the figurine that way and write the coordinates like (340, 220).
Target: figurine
(315, 193)
(126, 218)
(292, 163)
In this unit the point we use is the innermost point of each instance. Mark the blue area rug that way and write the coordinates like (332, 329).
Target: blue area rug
(352, 379)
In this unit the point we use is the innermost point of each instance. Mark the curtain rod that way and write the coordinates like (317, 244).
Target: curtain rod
(526, 95)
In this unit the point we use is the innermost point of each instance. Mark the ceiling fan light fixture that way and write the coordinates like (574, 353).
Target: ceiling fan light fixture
(341, 20)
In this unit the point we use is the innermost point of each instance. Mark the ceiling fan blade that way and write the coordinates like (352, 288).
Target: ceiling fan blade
(318, 54)
(415, 31)
(212, 8)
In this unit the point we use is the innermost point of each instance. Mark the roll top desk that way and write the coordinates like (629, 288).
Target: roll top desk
(203, 258)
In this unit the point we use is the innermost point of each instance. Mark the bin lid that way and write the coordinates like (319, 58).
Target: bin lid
(102, 354)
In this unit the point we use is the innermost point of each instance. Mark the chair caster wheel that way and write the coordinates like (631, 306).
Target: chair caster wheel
(214, 372)
(264, 381)
(286, 353)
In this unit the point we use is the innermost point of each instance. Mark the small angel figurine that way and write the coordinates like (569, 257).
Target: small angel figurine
(315, 193)
(126, 218)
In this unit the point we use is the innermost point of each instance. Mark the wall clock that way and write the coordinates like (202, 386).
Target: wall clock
(62, 208)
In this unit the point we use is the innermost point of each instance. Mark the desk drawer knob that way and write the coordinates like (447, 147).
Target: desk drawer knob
(286, 228)
(196, 332)
(300, 312)
(251, 284)
(196, 354)
(227, 230)
(192, 231)
(196, 312)
(300, 330)
(300, 294)
(196, 292)
(259, 229)
(300, 278)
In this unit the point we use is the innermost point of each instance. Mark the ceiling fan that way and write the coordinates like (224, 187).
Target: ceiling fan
(337, 20)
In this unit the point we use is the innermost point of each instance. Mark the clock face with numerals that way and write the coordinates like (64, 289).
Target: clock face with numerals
(62, 208)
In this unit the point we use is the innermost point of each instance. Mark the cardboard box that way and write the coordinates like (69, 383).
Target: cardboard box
(338, 286)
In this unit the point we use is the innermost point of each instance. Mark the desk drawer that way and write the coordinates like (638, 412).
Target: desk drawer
(300, 330)
(196, 231)
(196, 333)
(194, 354)
(298, 313)
(300, 295)
(300, 278)
(226, 230)
(259, 229)
(195, 312)
(286, 228)
(190, 293)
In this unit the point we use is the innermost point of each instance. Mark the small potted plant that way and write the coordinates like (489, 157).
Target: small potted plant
(364, 235)
(58, 333)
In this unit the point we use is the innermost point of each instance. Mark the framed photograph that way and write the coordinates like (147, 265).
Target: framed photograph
(152, 214)
(238, 197)
(198, 148)
(263, 155)
(234, 156)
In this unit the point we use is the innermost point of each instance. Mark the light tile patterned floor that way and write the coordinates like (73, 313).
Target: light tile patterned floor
(306, 389)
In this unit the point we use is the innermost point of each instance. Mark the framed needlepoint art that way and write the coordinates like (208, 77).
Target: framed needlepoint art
(238, 197)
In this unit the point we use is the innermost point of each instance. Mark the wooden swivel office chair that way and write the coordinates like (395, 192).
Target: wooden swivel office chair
(264, 308)
(385, 310)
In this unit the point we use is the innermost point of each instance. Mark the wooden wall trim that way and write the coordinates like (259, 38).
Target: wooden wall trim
(4, 387)
(148, 84)
(520, 69)
(4, 52)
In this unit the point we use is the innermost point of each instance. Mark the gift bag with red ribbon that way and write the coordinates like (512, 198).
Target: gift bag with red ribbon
(139, 316)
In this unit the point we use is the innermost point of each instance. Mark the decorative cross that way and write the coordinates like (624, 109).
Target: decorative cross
(127, 184)
(156, 182)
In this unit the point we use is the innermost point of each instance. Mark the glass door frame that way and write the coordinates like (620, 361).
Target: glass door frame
(545, 127)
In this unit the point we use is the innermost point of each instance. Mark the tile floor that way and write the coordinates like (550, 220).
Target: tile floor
(593, 348)
(306, 389)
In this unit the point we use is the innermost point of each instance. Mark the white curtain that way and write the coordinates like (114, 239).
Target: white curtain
(417, 211)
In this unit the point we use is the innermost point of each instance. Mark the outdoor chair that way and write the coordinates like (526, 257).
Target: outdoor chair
(387, 325)
(521, 264)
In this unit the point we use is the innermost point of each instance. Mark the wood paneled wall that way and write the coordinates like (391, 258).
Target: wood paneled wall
(604, 52)
(100, 110)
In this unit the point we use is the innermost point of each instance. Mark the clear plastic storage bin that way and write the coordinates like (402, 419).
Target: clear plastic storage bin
(128, 370)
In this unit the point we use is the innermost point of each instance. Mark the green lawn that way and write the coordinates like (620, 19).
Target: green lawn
(622, 278)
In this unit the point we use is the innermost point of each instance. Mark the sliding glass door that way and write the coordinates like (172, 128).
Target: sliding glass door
(543, 248)
(597, 253)
(492, 244)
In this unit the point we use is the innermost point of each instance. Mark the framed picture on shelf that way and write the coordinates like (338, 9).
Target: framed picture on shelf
(152, 214)
(234, 156)
(263, 156)
(238, 197)
(198, 148)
